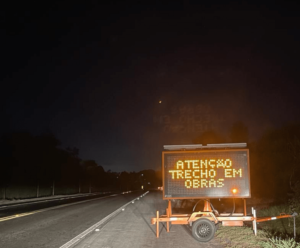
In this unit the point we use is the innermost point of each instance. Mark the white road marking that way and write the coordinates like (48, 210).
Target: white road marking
(47, 209)
(82, 235)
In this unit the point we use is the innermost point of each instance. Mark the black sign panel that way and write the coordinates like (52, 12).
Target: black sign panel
(206, 174)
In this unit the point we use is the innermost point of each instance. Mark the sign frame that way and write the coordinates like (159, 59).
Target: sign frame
(204, 151)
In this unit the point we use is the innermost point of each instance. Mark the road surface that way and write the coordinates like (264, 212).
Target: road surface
(82, 225)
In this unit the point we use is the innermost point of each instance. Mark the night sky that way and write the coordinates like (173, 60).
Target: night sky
(94, 74)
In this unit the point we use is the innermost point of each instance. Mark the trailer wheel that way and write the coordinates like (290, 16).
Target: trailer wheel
(203, 230)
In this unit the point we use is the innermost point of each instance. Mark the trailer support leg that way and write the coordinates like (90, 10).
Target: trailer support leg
(254, 222)
(245, 208)
(294, 227)
(157, 224)
(169, 213)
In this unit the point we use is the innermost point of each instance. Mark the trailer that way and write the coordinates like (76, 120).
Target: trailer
(207, 172)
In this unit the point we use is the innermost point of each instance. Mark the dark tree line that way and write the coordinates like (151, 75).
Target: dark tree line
(274, 158)
(33, 166)
(276, 162)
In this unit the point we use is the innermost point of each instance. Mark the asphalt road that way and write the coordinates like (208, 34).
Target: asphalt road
(30, 205)
(51, 225)
(92, 223)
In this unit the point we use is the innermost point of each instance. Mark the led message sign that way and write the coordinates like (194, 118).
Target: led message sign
(206, 174)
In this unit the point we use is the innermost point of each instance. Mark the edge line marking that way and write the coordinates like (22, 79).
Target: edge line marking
(82, 235)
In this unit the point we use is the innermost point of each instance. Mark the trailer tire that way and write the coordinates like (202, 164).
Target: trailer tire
(203, 230)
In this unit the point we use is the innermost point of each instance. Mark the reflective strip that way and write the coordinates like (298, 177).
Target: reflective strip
(173, 218)
(273, 218)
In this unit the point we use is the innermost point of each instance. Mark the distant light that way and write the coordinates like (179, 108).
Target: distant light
(142, 187)
(234, 191)
(160, 101)
(148, 182)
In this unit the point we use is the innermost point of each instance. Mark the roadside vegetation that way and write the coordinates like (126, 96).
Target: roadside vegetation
(243, 237)
(282, 227)
(271, 234)
(36, 166)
